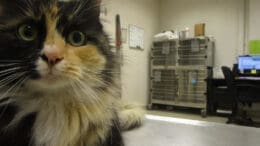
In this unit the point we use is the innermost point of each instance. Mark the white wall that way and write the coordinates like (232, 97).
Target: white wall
(224, 20)
(135, 71)
(254, 20)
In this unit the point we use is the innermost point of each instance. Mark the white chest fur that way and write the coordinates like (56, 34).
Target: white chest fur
(63, 121)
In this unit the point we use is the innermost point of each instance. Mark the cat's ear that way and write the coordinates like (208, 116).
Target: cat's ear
(81, 11)
(99, 2)
(97, 5)
(1, 9)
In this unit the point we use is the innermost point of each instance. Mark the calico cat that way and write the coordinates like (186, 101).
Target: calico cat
(57, 79)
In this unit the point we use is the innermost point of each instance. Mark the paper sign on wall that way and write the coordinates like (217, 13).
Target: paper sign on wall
(136, 37)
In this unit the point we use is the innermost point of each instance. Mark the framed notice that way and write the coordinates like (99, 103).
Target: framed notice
(136, 37)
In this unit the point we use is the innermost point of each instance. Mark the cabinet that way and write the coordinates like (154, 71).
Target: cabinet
(179, 69)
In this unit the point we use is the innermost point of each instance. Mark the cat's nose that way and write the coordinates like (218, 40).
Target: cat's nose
(52, 58)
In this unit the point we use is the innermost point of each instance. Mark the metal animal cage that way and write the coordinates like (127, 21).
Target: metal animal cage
(164, 53)
(179, 69)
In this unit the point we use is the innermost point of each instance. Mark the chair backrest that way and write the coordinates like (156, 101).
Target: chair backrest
(235, 70)
(230, 79)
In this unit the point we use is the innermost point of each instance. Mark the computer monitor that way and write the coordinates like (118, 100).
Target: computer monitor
(249, 65)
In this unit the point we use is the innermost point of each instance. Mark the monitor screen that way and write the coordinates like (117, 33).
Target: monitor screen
(249, 64)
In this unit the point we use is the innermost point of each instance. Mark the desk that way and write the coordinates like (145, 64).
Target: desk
(245, 90)
(219, 97)
(248, 89)
(248, 82)
(248, 78)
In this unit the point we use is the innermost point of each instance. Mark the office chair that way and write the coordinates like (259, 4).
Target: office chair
(240, 93)
(232, 91)
(220, 99)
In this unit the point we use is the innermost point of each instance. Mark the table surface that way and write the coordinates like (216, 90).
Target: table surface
(165, 131)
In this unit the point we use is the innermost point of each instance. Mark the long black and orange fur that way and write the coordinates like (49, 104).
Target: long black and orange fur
(57, 76)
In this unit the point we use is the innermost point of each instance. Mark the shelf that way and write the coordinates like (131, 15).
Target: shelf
(190, 46)
(198, 38)
(179, 103)
(159, 67)
(188, 67)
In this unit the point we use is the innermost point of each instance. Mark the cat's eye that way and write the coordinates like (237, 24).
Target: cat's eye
(77, 38)
(27, 32)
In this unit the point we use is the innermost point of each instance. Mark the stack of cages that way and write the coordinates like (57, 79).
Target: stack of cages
(163, 80)
(179, 70)
(195, 57)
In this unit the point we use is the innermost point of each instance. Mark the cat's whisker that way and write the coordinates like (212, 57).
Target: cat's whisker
(10, 79)
(9, 64)
(101, 81)
(95, 6)
(91, 77)
(6, 68)
(13, 89)
(110, 76)
(11, 69)
(78, 12)
(4, 100)
(12, 61)
(77, 7)
(29, 4)
(7, 73)
(17, 85)
(111, 72)
(101, 71)
(76, 92)
(105, 84)
(16, 62)
(117, 90)
(26, 7)
(88, 92)
(98, 5)
(81, 92)
(71, 74)
(104, 71)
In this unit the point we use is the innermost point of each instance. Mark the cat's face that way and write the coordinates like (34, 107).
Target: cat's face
(46, 44)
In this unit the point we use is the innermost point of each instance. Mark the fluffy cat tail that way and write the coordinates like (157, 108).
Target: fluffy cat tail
(131, 116)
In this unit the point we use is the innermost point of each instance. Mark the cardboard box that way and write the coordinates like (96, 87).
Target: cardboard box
(200, 29)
